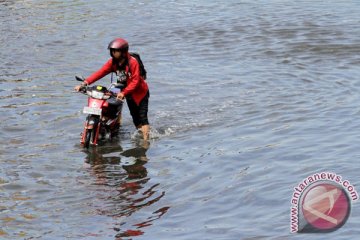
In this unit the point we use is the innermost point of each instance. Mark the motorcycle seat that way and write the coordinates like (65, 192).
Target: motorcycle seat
(113, 101)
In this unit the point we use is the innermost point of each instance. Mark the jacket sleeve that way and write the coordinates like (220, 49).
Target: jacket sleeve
(102, 72)
(134, 79)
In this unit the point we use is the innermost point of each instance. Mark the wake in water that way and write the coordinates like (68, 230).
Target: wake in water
(153, 134)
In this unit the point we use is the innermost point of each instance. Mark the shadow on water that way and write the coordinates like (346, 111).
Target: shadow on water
(124, 187)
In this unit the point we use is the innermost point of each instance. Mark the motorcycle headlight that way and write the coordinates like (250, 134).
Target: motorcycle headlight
(97, 95)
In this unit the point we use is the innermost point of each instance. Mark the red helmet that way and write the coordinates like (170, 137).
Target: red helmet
(120, 44)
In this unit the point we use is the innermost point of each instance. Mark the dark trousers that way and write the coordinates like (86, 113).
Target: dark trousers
(139, 112)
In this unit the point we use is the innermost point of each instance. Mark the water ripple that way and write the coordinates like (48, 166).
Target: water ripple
(247, 99)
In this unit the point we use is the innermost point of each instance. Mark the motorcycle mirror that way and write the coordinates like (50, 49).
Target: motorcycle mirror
(80, 78)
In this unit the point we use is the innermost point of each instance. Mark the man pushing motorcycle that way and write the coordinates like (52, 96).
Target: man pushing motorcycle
(127, 70)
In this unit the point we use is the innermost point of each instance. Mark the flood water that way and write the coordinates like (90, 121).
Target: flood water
(248, 98)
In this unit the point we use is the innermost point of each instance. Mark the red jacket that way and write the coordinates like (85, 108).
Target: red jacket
(136, 87)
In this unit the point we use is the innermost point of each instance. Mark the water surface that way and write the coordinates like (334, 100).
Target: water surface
(247, 99)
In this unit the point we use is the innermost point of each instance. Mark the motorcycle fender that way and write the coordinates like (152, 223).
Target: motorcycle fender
(89, 124)
(83, 135)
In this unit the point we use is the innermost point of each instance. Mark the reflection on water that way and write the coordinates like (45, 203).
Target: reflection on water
(123, 181)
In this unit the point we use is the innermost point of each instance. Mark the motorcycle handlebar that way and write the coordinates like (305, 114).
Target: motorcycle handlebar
(83, 89)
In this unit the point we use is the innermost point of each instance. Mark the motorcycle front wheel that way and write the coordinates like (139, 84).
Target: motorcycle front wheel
(90, 133)
(87, 138)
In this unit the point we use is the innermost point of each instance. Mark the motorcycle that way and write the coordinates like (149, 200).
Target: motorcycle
(103, 113)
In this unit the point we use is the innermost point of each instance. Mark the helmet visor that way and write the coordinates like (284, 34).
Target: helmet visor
(122, 51)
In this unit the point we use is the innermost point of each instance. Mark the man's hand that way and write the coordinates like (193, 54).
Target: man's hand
(120, 96)
(78, 87)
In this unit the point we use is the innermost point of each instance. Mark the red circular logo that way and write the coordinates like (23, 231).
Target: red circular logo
(326, 207)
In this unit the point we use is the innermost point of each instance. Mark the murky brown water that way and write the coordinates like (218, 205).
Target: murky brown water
(247, 99)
